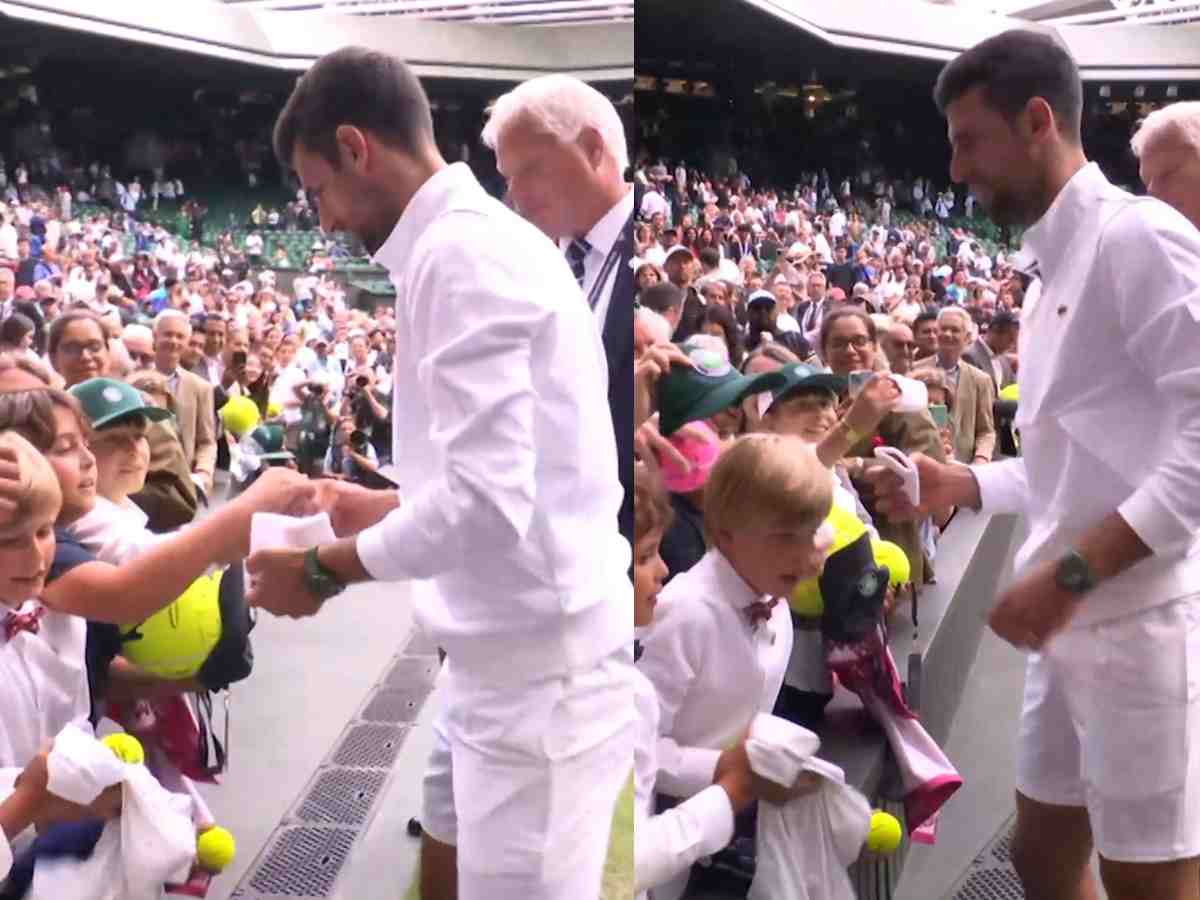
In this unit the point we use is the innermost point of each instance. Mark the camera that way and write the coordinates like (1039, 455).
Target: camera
(358, 441)
(362, 381)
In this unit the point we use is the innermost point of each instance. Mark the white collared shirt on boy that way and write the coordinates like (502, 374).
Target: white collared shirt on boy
(115, 533)
(712, 669)
(666, 845)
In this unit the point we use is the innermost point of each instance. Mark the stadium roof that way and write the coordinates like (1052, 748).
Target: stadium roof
(922, 30)
(600, 51)
(501, 12)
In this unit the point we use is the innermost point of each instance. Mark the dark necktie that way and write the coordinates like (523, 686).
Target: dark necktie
(760, 611)
(637, 650)
(15, 622)
(577, 252)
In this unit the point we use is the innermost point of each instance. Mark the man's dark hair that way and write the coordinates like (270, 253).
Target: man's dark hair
(1012, 68)
(370, 90)
(926, 316)
(710, 258)
(662, 297)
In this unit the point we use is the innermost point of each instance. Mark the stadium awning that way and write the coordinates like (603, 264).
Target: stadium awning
(934, 31)
(281, 40)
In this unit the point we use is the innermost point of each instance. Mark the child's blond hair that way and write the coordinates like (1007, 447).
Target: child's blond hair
(765, 481)
(37, 484)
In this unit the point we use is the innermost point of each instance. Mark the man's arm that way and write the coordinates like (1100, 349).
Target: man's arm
(204, 463)
(985, 420)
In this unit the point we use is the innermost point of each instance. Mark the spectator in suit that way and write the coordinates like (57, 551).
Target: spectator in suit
(973, 423)
(194, 403)
(580, 198)
(990, 352)
(899, 346)
(1168, 149)
(169, 497)
(925, 333)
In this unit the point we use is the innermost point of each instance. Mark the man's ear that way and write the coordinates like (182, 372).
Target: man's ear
(594, 149)
(353, 148)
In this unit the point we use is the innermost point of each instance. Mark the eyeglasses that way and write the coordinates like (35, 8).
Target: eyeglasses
(858, 342)
(74, 350)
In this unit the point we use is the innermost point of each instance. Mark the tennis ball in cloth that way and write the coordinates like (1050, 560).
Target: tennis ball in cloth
(176, 640)
(885, 833)
(215, 849)
(893, 556)
(239, 415)
(1011, 393)
(125, 747)
(806, 599)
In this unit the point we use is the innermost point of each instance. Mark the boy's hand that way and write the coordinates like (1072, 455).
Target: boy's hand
(49, 809)
(877, 398)
(283, 491)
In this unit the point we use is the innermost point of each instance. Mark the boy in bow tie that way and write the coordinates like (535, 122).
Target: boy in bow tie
(721, 638)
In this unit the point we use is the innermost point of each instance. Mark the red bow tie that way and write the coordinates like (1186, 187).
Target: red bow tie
(760, 611)
(16, 622)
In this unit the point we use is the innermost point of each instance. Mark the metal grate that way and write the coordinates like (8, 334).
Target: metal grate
(395, 705)
(370, 746)
(991, 875)
(304, 862)
(413, 671)
(342, 796)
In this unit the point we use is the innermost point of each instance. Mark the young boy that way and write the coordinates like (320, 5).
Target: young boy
(721, 643)
(668, 844)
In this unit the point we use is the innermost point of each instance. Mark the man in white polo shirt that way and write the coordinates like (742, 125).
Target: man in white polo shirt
(1107, 589)
(507, 514)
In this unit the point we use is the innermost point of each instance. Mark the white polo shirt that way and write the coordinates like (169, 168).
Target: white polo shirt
(503, 446)
(1110, 391)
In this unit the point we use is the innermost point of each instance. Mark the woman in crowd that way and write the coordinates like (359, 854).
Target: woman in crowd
(78, 347)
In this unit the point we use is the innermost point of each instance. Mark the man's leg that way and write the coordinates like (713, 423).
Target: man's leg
(1175, 880)
(1051, 850)
(439, 855)
(439, 869)
(538, 769)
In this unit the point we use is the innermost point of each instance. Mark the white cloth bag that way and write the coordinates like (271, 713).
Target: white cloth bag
(803, 847)
(152, 842)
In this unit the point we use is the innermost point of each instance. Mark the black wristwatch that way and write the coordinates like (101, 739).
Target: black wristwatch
(320, 581)
(1073, 574)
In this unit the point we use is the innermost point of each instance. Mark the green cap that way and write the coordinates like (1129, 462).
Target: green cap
(703, 389)
(266, 442)
(800, 376)
(105, 401)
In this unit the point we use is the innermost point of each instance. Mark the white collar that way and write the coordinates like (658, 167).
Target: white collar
(732, 587)
(607, 230)
(1059, 224)
(423, 207)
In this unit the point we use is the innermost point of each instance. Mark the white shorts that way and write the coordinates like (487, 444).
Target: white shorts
(524, 783)
(1111, 722)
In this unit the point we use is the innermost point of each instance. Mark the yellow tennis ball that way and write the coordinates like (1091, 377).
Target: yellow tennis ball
(893, 556)
(1010, 393)
(240, 415)
(215, 849)
(274, 410)
(125, 747)
(885, 833)
(806, 599)
(176, 640)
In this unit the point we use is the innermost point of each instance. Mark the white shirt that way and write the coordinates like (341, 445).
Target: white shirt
(666, 845)
(508, 474)
(654, 202)
(602, 238)
(43, 684)
(1110, 391)
(254, 245)
(115, 534)
(8, 240)
(711, 669)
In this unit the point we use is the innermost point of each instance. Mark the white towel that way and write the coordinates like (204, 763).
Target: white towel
(803, 847)
(269, 531)
(152, 842)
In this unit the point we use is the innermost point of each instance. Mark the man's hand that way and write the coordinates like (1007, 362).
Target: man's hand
(277, 584)
(942, 486)
(653, 364)
(648, 444)
(734, 775)
(1033, 609)
(283, 491)
(352, 507)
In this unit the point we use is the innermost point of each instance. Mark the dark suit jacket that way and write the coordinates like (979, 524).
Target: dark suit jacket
(618, 347)
(977, 355)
